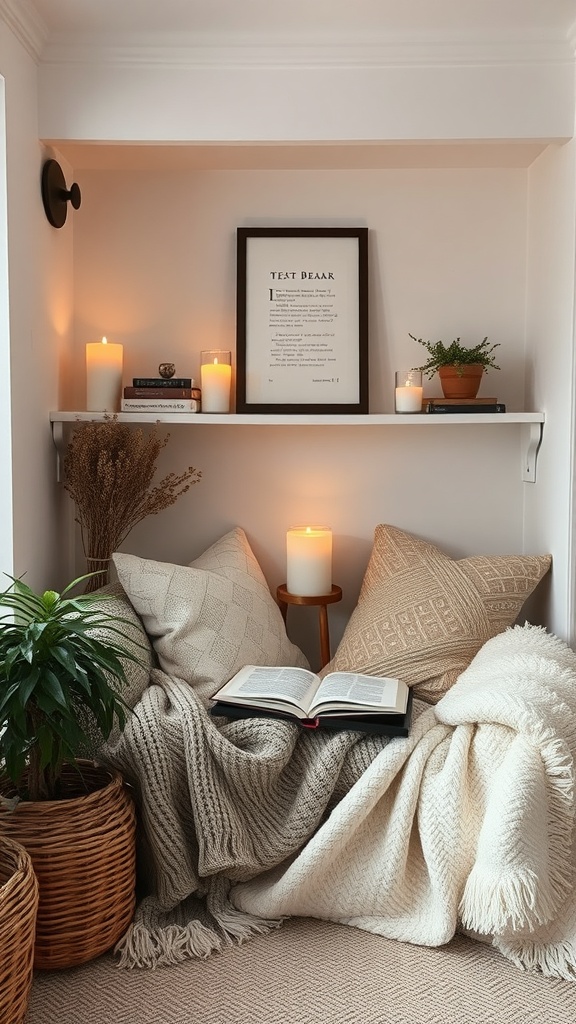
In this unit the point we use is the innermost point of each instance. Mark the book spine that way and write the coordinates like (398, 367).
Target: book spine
(159, 405)
(151, 393)
(460, 401)
(494, 407)
(162, 382)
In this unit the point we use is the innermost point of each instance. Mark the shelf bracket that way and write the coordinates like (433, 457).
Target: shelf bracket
(531, 441)
(58, 438)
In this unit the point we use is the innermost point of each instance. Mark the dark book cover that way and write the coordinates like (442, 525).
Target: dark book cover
(368, 722)
(435, 408)
(138, 392)
(162, 382)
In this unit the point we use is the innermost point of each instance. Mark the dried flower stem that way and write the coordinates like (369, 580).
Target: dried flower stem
(108, 472)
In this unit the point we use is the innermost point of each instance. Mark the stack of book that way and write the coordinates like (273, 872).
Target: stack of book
(459, 405)
(161, 394)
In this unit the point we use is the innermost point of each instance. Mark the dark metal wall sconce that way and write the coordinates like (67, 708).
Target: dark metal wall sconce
(55, 195)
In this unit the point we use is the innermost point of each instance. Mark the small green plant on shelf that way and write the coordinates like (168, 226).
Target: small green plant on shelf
(456, 354)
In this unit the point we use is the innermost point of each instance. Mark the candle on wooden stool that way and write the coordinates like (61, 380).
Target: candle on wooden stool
(215, 378)
(103, 376)
(309, 560)
(409, 391)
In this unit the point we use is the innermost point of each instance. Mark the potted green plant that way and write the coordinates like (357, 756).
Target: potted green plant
(459, 367)
(62, 670)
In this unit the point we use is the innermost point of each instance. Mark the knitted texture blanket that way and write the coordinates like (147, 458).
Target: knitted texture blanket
(468, 822)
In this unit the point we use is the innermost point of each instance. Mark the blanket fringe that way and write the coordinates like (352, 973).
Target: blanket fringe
(499, 902)
(238, 926)
(554, 960)
(141, 947)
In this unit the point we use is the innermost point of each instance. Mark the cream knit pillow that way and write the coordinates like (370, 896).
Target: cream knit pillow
(422, 616)
(210, 618)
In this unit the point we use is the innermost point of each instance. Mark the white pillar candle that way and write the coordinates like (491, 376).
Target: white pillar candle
(309, 560)
(103, 376)
(215, 380)
(409, 391)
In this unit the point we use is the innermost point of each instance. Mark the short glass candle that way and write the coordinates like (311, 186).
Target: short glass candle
(215, 380)
(409, 391)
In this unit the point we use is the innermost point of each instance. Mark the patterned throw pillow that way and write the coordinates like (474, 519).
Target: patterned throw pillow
(208, 619)
(422, 616)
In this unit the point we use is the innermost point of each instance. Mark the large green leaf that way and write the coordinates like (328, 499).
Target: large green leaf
(56, 675)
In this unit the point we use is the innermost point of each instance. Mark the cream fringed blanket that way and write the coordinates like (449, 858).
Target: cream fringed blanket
(467, 822)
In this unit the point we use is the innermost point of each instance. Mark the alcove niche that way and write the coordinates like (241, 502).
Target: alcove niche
(465, 238)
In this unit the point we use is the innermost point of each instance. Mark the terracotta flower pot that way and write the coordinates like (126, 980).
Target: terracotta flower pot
(461, 381)
(83, 853)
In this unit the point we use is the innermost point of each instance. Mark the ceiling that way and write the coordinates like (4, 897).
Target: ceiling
(299, 31)
(330, 20)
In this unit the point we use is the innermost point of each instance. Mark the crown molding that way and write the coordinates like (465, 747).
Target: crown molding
(226, 50)
(28, 26)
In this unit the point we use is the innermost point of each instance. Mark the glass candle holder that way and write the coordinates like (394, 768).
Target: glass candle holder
(215, 380)
(409, 391)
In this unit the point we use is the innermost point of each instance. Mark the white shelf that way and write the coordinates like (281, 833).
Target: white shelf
(306, 419)
(532, 424)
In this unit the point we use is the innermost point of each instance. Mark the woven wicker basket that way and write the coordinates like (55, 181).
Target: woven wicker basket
(83, 852)
(18, 909)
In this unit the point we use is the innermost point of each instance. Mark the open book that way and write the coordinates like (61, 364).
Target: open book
(342, 700)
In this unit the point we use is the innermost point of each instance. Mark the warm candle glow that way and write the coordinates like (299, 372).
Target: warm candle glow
(409, 399)
(215, 380)
(104, 361)
(309, 560)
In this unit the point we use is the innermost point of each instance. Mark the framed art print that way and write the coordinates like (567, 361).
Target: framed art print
(302, 320)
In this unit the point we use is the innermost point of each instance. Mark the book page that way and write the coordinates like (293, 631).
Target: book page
(268, 685)
(349, 688)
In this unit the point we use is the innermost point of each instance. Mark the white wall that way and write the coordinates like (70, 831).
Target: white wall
(40, 301)
(6, 523)
(155, 261)
(138, 96)
(551, 368)
(155, 270)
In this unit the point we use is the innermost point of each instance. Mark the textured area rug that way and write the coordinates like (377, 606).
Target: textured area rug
(310, 972)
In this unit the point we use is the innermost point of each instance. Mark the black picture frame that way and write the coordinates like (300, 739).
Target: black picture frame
(302, 320)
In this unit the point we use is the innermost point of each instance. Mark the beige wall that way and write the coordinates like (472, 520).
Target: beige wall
(155, 270)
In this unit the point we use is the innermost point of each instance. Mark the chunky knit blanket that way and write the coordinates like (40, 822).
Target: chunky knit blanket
(466, 823)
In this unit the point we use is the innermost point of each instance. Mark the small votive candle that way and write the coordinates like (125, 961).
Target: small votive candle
(104, 363)
(409, 391)
(309, 560)
(215, 380)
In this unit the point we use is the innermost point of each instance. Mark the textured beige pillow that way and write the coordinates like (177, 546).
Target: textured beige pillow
(210, 618)
(422, 616)
(116, 603)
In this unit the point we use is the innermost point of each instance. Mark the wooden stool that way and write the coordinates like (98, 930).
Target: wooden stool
(285, 598)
